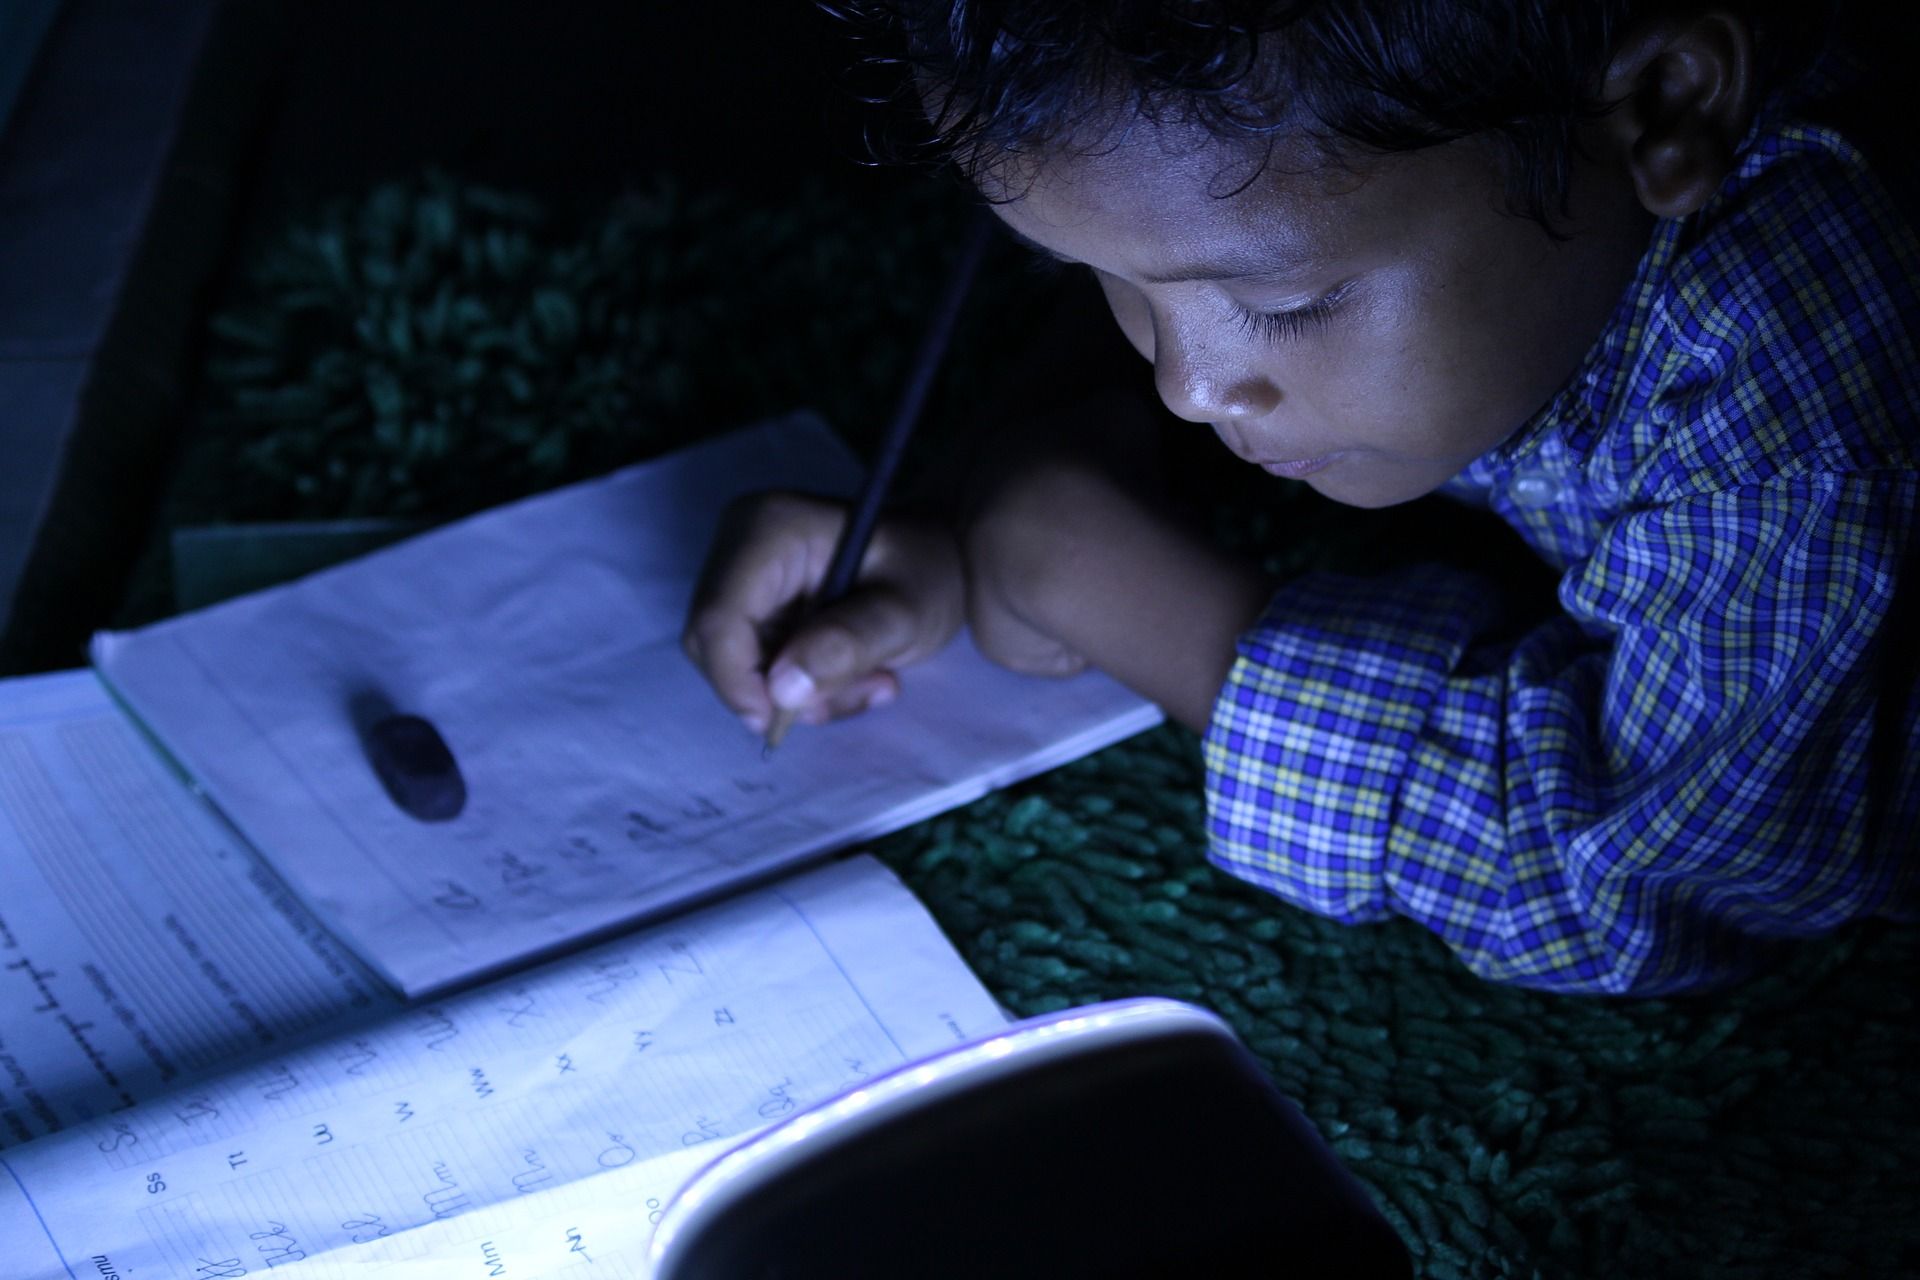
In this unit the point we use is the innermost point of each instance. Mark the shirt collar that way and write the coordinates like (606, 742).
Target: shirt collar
(1600, 384)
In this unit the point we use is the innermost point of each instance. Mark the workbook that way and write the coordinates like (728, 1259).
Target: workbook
(257, 1016)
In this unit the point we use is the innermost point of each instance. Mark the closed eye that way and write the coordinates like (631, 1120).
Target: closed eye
(1294, 323)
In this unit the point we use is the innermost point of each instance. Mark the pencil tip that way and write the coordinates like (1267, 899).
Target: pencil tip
(776, 732)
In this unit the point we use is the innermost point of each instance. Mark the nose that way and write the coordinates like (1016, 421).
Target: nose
(1202, 387)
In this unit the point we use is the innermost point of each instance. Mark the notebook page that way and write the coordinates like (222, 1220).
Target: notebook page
(607, 785)
(141, 942)
(519, 1124)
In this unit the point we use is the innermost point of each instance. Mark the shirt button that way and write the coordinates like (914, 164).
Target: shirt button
(1533, 490)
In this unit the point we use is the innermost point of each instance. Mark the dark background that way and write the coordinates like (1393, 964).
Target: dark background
(570, 98)
(154, 146)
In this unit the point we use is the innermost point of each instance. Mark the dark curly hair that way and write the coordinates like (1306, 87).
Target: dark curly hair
(1012, 78)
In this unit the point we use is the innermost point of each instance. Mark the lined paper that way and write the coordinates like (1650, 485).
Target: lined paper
(141, 942)
(519, 1128)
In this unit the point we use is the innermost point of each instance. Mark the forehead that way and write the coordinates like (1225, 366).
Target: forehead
(1161, 195)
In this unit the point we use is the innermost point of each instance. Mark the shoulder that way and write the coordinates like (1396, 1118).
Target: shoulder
(1781, 341)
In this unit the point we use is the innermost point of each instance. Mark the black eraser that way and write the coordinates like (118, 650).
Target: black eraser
(413, 763)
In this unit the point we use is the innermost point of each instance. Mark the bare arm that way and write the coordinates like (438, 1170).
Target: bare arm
(1069, 564)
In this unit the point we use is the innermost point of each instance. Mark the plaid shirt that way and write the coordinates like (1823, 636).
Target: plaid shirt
(1638, 794)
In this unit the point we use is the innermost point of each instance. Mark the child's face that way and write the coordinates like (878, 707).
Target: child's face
(1371, 329)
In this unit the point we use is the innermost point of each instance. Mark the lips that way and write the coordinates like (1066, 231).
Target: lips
(1287, 468)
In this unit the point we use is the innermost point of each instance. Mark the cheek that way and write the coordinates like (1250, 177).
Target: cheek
(1480, 371)
(1409, 362)
(1497, 331)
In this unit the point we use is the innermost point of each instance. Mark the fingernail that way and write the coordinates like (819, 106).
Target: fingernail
(792, 688)
(882, 696)
(755, 722)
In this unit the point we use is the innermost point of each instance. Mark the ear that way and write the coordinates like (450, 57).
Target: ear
(1683, 94)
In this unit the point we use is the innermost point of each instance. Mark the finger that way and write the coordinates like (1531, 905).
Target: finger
(728, 650)
(778, 554)
(868, 632)
(869, 693)
(770, 551)
(764, 559)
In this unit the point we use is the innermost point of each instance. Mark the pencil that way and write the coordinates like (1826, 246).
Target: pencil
(851, 549)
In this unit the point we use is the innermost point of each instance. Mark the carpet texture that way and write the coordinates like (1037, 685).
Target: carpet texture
(434, 347)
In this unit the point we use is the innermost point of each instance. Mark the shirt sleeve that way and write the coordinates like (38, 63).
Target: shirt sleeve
(1629, 797)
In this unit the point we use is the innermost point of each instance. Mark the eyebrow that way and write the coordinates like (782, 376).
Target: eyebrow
(1228, 270)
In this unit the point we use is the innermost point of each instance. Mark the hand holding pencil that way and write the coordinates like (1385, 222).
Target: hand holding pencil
(808, 608)
(842, 657)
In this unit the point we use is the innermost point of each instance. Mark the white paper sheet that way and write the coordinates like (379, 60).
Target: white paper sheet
(607, 784)
(521, 1127)
(140, 941)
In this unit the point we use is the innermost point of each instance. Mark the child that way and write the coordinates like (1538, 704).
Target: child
(1593, 266)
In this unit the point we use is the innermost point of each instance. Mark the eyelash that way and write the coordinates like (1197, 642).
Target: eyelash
(1271, 326)
(1286, 326)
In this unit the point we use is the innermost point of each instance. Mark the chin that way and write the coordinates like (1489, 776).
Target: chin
(1369, 491)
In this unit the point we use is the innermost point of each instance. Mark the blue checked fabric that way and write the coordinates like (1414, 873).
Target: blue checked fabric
(1641, 793)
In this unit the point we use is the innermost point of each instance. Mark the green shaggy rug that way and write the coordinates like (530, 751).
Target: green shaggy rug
(434, 347)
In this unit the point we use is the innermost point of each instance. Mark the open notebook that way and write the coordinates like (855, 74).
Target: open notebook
(607, 784)
(265, 1021)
